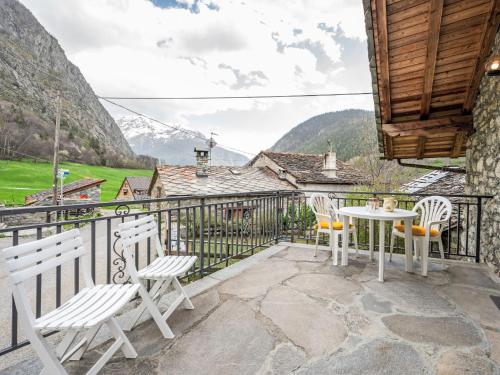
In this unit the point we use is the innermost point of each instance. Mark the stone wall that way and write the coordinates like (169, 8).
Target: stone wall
(483, 163)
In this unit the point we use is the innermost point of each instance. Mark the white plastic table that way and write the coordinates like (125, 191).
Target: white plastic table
(382, 216)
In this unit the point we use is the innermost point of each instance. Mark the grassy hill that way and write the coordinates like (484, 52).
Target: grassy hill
(352, 132)
(20, 178)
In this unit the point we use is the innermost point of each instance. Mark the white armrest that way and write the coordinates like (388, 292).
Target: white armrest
(428, 225)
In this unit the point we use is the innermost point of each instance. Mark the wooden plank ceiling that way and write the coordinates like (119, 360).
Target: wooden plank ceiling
(430, 57)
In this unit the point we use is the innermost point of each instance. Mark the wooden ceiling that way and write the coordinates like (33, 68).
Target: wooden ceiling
(429, 57)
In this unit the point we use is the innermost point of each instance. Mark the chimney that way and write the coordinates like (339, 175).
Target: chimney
(330, 164)
(201, 162)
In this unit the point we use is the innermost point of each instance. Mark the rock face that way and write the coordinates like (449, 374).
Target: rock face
(483, 163)
(33, 68)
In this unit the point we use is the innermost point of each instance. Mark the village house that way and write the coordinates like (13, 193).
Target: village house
(202, 179)
(134, 188)
(87, 190)
(311, 172)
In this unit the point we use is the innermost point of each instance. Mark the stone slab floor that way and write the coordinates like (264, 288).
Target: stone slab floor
(294, 313)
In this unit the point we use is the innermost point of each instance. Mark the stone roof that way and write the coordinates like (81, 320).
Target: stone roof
(139, 186)
(437, 182)
(307, 168)
(138, 182)
(69, 188)
(182, 180)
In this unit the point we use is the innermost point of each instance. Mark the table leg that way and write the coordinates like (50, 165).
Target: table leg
(371, 234)
(345, 240)
(381, 251)
(408, 245)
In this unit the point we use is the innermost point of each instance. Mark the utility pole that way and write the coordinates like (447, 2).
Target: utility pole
(56, 149)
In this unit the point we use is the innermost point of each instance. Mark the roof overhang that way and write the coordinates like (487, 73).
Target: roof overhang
(427, 59)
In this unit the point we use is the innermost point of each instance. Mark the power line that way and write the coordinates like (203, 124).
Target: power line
(186, 131)
(234, 97)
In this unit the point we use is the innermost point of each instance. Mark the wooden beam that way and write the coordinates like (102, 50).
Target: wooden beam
(421, 147)
(398, 131)
(434, 122)
(424, 128)
(435, 16)
(458, 143)
(388, 147)
(488, 35)
(383, 69)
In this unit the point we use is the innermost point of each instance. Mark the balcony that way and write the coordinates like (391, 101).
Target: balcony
(281, 309)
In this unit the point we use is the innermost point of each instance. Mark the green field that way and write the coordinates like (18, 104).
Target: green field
(20, 178)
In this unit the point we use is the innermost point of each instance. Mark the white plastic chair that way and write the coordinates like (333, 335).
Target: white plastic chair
(164, 271)
(327, 221)
(93, 307)
(434, 213)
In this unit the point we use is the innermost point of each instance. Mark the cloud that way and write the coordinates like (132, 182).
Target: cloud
(253, 78)
(217, 48)
(213, 38)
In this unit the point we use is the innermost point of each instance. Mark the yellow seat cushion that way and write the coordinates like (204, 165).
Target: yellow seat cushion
(417, 230)
(336, 225)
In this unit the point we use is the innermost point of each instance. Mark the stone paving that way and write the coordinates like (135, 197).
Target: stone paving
(294, 313)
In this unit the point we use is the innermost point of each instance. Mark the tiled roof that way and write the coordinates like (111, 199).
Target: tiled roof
(182, 180)
(69, 188)
(139, 186)
(437, 182)
(307, 168)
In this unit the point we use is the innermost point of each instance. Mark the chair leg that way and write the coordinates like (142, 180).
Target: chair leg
(317, 241)
(425, 256)
(178, 287)
(121, 342)
(416, 245)
(51, 364)
(85, 343)
(65, 343)
(149, 304)
(441, 250)
(128, 326)
(391, 246)
(126, 347)
(335, 248)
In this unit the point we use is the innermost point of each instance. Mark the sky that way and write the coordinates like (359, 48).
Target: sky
(218, 48)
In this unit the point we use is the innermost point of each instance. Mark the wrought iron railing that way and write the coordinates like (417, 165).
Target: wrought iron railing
(219, 229)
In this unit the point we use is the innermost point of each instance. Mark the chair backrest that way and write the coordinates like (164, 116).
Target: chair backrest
(30, 259)
(434, 208)
(323, 207)
(133, 232)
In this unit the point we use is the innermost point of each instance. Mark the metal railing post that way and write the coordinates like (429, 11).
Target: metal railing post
(293, 218)
(277, 207)
(478, 229)
(202, 236)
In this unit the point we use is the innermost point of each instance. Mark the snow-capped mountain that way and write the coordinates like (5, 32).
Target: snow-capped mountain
(171, 146)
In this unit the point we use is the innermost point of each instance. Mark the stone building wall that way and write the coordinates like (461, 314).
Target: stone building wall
(483, 163)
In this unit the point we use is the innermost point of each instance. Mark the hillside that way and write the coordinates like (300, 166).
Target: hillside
(351, 131)
(171, 146)
(20, 178)
(33, 69)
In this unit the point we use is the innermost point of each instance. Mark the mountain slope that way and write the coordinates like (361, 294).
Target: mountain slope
(351, 131)
(33, 69)
(169, 145)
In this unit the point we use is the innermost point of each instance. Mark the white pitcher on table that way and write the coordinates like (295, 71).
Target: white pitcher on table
(390, 203)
